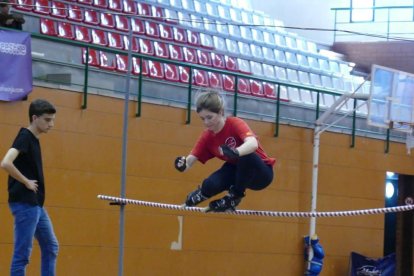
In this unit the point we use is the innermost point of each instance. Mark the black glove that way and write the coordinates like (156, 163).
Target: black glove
(180, 163)
(229, 152)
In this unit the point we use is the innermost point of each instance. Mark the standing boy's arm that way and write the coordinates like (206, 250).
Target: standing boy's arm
(10, 168)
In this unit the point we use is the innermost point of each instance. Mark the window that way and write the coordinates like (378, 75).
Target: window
(362, 10)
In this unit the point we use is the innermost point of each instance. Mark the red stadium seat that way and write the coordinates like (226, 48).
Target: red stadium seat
(107, 20)
(65, 30)
(243, 86)
(82, 34)
(256, 88)
(99, 37)
(75, 13)
(144, 9)
(171, 72)
(48, 27)
(100, 4)
(156, 69)
(106, 62)
(180, 35)
(121, 23)
(269, 90)
(203, 58)
(200, 77)
(121, 63)
(115, 41)
(136, 65)
(176, 52)
(158, 13)
(93, 58)
(116, 5)
(130, 6)
(228, 83)
(135, 47)
(166, 32)
(152, 29)
(146, 47)
(231, 63)
(24, 5)
(215, 80)
(193, 38)
(59, 9)
(86, 2)
(184, 74)
(42, 7)
(190, 55)
(217, 60)
(91, 17)
(161, 50)
(138, 26)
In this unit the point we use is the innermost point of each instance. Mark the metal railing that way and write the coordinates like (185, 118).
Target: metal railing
(388, 23)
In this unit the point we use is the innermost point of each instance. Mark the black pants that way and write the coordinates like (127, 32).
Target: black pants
(250, 172)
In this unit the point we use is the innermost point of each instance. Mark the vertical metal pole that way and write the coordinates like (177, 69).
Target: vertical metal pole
(190, 88)
(277, 111)
(85, 80)
(354, 124)
(387, 141)
(318, 101)
(124, 157)
(236, 86)
(315, 168)
(141, 66)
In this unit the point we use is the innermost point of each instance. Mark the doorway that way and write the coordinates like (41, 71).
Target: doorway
(399, 227)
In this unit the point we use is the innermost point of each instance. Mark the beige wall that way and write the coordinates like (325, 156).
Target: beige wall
(82, 158)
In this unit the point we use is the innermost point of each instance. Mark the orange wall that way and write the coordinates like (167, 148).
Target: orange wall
(82, 158)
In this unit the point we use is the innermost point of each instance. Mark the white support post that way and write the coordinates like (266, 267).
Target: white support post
(315, 162)
(315, 165)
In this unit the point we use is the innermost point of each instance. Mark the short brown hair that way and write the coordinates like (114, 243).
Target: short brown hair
(39, 107)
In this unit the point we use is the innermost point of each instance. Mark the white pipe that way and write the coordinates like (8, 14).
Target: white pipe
(315, 167)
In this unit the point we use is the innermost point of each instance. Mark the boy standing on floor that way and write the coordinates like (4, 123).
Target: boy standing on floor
(23, 163)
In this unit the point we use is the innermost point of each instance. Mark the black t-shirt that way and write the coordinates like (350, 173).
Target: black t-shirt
(29, 163)
(15, 24)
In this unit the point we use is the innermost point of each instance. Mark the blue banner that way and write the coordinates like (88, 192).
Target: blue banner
(364, 266)
(16, 80)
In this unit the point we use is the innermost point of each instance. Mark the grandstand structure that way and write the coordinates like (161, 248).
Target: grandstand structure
(215, 44)
(177, 47)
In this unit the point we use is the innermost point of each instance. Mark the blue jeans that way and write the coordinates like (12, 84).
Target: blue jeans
(250, 172)
(32, 221)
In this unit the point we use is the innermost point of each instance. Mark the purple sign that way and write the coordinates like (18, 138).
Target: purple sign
(16, 80)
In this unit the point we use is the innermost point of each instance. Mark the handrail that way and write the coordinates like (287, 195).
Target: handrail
(385, 34)
(179, 63)
(373, 8)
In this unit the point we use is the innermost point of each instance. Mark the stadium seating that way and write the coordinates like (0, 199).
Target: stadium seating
(205, 33)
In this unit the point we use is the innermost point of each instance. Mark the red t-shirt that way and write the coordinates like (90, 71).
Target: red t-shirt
(234, 132)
